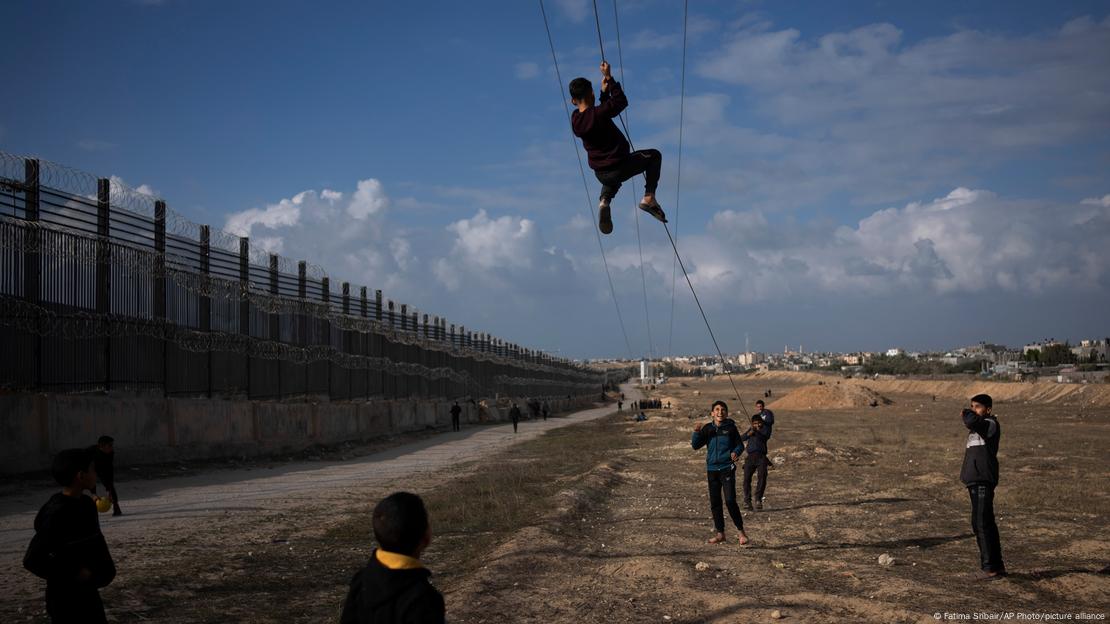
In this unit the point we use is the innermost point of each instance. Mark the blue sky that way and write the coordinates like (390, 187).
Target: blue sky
(855, 175)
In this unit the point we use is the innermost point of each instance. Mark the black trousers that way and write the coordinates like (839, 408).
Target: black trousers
(111, 487)
(648, 162)
(756, 463)
(455, 422)
(74, 604)
(515, 421)
(724, 480)
(985, 528)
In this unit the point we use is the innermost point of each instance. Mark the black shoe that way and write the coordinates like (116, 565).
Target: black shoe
(117, 513)
(748, 505)
(655, 210)
(759, 505)
(605, 218)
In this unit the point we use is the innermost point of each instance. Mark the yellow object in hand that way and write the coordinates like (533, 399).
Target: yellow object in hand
(104, 505)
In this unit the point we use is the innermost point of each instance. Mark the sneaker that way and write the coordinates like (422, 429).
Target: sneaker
(605, 218)
(759, 505)
(655, 210)
(748, 505)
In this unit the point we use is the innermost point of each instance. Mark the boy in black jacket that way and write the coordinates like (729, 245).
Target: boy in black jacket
(606, 148)
(756, 462)
(68, 549)
(980, 475)
(394, 587)
(104, 454)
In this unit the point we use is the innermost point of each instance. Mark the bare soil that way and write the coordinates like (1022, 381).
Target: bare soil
(607, 521)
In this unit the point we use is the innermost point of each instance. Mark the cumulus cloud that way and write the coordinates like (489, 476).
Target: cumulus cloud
(868, 112)
(967, 242)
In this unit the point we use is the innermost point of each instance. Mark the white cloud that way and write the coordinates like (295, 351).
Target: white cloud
(870, 113)
(969, 241)
(285, 213)
(1104, 201)
(526, 71)
(369, 199)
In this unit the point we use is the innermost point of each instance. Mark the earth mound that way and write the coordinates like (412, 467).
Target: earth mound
(826, 396)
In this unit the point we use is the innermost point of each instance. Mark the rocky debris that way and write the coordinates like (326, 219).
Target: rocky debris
(701, 566)
(886, 560)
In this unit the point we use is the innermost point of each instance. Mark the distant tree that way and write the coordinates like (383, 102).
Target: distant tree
(1033, 355)
(1057, 354)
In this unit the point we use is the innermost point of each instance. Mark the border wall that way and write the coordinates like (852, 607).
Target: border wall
(120, 316)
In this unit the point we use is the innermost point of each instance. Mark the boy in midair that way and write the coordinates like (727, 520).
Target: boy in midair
(980, 474)
(608, 150)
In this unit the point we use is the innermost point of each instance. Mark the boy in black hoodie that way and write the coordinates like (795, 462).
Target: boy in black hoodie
(394, 587)
(756, 462)
(607, 151)
(980, 475)
(68, 549)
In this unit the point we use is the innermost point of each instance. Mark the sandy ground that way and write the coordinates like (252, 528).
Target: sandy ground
(625, 540)
(264, 503)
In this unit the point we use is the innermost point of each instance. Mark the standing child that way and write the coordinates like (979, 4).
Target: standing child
(980, 474)
(514, 415)
(68, 549)
(756, 461)
(608, 150)
(455, 411)
(723, 448)
(394, 587)
(104, 454)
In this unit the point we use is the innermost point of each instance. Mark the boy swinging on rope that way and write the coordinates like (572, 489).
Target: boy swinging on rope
(608, 150)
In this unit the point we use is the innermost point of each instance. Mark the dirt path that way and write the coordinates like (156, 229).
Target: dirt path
(272, 504)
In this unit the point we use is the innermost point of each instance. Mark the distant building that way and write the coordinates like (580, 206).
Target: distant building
(894, 352)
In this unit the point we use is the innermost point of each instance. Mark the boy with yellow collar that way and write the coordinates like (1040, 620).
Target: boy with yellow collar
(394, 587)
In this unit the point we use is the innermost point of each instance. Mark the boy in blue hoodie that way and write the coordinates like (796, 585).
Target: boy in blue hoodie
(723, 448)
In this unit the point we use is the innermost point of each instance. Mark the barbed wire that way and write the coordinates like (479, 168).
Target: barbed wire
(182, 271)
(136, 261)
(38, 320)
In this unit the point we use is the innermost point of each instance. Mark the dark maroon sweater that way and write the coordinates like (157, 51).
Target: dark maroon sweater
(604, 143)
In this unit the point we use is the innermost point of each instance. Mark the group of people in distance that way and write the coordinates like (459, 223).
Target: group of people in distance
(70, 552)
(725, 444)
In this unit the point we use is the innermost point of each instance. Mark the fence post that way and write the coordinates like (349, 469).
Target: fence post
(302, 317)
(244, 300)
(346, 332)
(325, 285)
(275, 320)
(103, 258)
(31, 258)
(205, 300)
(160, 284)
(364, 337)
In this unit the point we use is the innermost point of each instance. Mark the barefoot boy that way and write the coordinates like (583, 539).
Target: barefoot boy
(723, 448)
(608, 150)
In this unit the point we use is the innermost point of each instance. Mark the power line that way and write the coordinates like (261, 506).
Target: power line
(582, 170)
